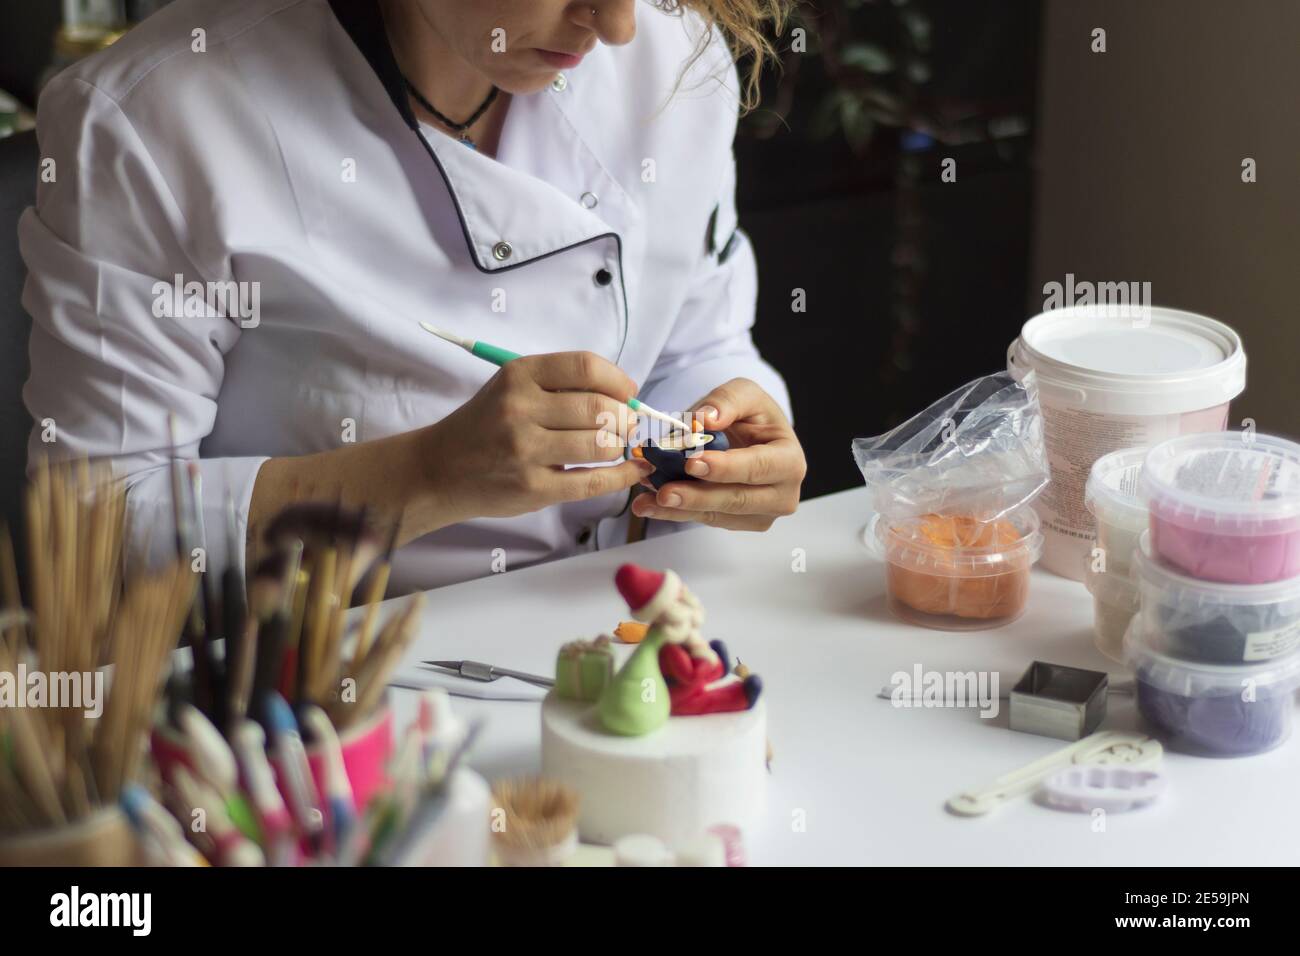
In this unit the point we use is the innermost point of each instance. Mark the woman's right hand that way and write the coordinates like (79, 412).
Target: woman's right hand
(503, 452)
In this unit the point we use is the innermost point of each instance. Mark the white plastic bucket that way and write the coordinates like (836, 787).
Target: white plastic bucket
(1108, 381)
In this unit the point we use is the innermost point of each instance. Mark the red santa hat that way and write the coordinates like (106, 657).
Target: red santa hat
(648, 593)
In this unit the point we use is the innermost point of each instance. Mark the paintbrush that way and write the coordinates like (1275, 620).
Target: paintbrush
(273, 632)
(378, 586)
(235, 625)
(499, 356)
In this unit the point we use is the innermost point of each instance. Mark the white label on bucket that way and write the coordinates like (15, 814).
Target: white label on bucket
(1075, 440)
(1266, 645)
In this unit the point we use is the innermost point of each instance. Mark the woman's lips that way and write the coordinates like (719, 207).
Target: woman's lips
(560, 61)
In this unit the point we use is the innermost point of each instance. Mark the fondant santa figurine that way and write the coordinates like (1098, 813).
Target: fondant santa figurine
(696, 672)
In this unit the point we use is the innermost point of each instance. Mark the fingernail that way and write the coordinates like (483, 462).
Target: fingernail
(672, 500)
(644, 466)
(697, 467)
(706, 412)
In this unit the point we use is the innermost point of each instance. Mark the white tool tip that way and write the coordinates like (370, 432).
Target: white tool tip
(444, 335)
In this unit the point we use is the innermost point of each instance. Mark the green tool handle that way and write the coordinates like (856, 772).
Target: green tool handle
(493, 353)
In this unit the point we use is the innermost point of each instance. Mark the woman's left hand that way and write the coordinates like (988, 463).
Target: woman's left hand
(748, 486)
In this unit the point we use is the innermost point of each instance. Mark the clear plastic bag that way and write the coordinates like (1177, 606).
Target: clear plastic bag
(977, 452)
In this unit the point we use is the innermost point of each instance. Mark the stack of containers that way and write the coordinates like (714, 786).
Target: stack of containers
(1120, 512)
(1216, 643)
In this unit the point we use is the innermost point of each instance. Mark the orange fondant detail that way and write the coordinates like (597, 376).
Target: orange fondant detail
(696, 426)
(631, 632)
(637, 452)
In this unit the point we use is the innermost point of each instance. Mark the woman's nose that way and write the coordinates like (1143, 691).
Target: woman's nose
(614, 21)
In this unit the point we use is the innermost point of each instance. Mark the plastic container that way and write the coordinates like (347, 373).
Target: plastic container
(1214, 709)
(1109, 381)
(956, 574)
(1112, 498)
(1212, 622)
(1226, 507)
(1114, 603)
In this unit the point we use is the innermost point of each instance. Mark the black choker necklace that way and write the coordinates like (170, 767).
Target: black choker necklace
(447, 121)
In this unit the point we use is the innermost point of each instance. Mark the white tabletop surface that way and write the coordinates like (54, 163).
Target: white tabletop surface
(856, 781)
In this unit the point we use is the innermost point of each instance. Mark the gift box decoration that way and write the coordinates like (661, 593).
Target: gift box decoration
(583, 668)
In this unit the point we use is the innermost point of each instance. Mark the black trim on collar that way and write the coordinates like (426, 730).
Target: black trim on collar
(364, 23)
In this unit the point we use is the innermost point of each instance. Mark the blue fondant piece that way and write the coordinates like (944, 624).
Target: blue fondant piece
(670, 464)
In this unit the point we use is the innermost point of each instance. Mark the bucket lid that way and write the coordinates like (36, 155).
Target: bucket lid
(1167, 586)
(1198, 679)
(1226, 482)
(1168, 362)
(1112, 492)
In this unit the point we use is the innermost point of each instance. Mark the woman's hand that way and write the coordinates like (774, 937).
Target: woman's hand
(500, 454)
(750, 485)
(503, 452)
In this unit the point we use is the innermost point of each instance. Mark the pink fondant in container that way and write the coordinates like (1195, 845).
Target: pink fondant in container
(1226, 507)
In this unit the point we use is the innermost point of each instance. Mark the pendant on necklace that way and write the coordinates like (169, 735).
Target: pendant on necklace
(466, 141)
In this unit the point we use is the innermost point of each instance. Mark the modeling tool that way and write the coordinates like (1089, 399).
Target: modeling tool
(228, 845)
(1107, 747)
(158, 830)
(292, 757)
(476, 670)
(249, 744)
(499, 356)
(338, 789)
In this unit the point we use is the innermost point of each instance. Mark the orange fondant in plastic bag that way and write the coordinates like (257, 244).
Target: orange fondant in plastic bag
(930, 567)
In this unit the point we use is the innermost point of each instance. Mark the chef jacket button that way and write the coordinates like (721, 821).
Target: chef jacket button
(588, 200)
(603, 277)
(584, 536)
(560, 83)
(502, 251)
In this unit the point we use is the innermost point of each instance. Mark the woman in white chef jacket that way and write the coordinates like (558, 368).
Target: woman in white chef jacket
(248, 206)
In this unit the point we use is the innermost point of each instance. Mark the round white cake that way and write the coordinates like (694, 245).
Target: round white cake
(674, 783)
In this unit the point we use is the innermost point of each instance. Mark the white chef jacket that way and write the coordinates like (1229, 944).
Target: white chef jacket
(279, 151)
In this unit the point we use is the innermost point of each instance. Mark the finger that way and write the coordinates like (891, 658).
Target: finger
(580, 372)
(579, 484)
(575, 447)
(771, 463)
(644, 506)
(732, 499)
(585, 410)
(736, 400)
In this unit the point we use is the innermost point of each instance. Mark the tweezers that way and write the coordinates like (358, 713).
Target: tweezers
(475, 670)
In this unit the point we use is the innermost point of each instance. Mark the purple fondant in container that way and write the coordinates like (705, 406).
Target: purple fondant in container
(1224, 710)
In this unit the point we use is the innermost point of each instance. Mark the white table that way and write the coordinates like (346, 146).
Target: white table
(868, 781)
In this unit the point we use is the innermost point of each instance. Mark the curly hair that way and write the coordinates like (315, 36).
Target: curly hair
(748, 26)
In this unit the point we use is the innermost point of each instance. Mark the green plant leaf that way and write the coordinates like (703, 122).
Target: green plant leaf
(867, 57)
